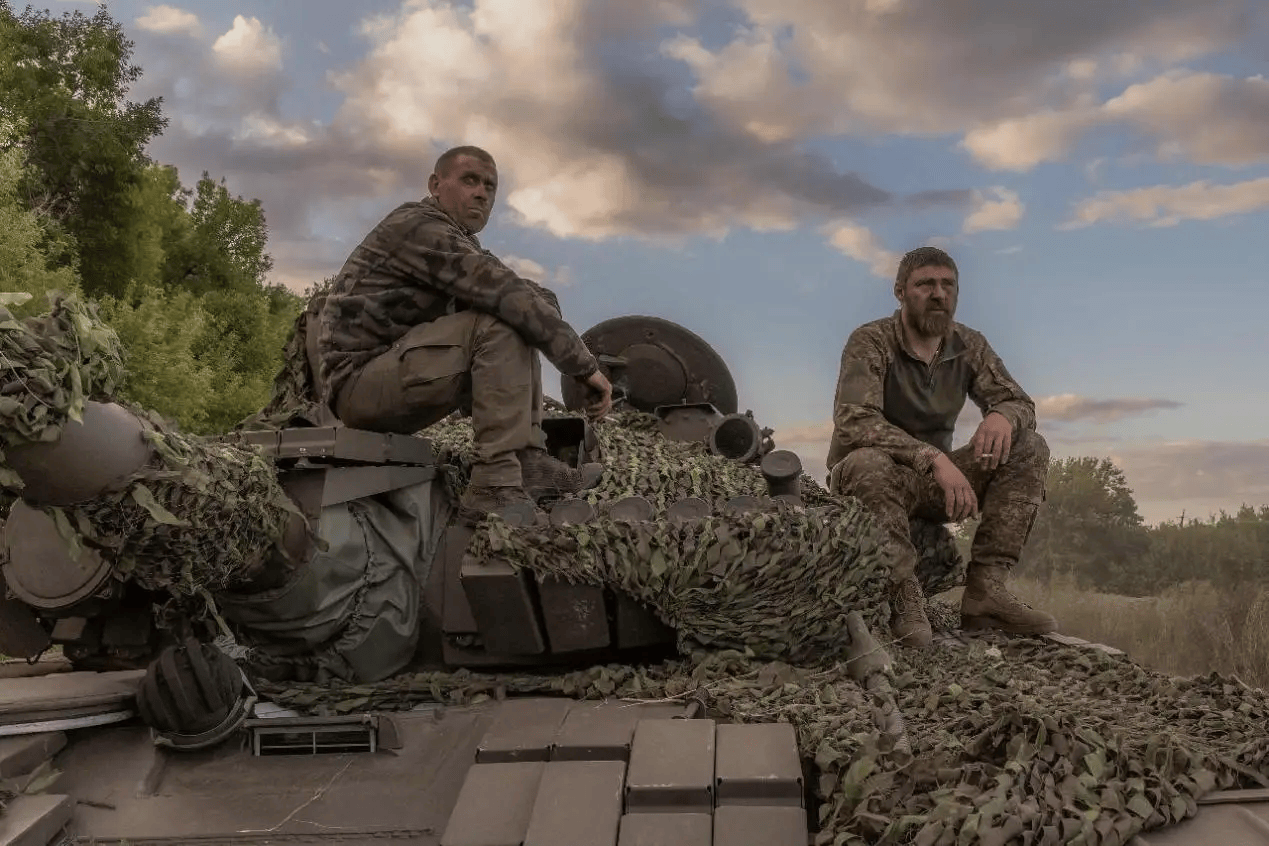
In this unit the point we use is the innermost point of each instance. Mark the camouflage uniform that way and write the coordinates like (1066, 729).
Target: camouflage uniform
(421, 321)
(894, 414)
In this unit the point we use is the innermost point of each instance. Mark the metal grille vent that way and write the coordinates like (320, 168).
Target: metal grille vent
(314, 735)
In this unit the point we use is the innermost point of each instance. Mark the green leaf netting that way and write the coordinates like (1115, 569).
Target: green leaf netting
(1016, 741)
(1011, 740)
(49, 366)
(199, 516)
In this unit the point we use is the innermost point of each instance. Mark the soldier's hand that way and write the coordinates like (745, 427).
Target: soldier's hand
(958, 493)
(599, 391)
(992, 441)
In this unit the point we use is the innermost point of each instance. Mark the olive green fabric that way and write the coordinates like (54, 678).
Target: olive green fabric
(353, 612)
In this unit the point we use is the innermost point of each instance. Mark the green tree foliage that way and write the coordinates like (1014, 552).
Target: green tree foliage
(25, 243)
(1227, 549)
(180, 272)
(1089, 527)
(63, 95)
(1089, 530)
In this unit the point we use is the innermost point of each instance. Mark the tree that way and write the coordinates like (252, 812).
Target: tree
(63, 90)
(25, 244)
(1089, 527)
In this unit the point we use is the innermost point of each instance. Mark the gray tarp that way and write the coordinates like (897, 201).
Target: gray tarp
(356, 606)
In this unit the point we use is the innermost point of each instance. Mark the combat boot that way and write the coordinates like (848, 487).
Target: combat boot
(478, 502)
(546, 476)
(987, 604)
(908, 622)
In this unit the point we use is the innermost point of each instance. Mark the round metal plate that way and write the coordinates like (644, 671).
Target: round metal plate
(631, 509)
(571, 512)
(666, 364)
(40, 569)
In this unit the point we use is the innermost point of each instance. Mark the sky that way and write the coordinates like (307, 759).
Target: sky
(753, 169)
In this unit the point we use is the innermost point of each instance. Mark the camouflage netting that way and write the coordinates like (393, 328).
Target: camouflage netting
(198, 517)
(639, 462)
(1011, 740)
(1023, 741)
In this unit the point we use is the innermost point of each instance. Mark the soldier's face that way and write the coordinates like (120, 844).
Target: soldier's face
(466, 191)
(929, 300)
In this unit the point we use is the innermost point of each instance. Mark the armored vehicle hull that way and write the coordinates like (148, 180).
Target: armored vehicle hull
(284, 636)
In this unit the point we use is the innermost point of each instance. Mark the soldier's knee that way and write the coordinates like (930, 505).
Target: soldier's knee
(1032, 445)
(860, 468)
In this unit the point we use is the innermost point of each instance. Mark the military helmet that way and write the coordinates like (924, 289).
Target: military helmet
(193, 695)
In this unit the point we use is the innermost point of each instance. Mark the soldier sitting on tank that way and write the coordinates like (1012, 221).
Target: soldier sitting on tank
(422, 321)
(903, 381)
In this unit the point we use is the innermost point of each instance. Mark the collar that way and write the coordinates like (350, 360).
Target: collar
(950, 347)
(431, 204)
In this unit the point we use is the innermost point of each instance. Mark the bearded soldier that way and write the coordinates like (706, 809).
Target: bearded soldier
(903, 381)
(422, 321)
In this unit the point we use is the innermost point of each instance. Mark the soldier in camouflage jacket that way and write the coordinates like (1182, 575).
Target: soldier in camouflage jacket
(422, 321)
(903, 381)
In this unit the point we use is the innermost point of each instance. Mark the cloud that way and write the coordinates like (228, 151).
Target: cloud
(599, 151)
(249, 47)
(1231, 472)
(669, 137)
(822, 67)
(1168, 205)
(1069, 408)
(1205, 118)
(861, 244)
(561, 277)
(169, 20)
(998, 208)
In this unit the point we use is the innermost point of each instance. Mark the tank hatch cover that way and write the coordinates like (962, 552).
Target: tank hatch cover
(653, 362)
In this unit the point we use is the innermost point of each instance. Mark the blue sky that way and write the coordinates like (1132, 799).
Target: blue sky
(752, 168)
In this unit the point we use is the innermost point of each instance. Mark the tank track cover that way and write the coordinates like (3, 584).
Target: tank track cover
(283, 636)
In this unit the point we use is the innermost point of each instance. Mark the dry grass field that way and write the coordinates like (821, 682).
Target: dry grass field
(1192, 629)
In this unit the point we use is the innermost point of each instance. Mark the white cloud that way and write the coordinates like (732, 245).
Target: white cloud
(1168, 205)
(585, 152)
(804, 67)
(561, 277)
(998, 208)
(1232, 472)
(861, 244)
(1021, 143)
(1071, 407)
(249, 47)
(169, 20)
(1205, 118)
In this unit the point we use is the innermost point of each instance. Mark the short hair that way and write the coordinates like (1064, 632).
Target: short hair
(447, 158)
(923, 257)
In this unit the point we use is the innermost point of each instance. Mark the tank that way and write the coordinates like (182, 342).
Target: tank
(285, 635)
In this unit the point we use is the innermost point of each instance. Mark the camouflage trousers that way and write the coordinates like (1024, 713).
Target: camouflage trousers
(1009, 498)
(469, 360)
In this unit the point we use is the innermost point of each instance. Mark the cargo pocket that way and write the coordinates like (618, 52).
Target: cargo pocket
(433, 374)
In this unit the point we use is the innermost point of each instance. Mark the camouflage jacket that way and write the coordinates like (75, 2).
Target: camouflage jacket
(415, 266)
(889, 399)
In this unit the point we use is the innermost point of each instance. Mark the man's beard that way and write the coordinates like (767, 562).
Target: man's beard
(933, 324)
